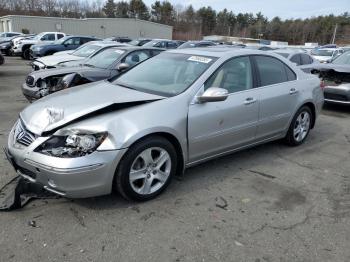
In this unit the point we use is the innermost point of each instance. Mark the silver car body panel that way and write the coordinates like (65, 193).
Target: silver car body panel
(203, 131)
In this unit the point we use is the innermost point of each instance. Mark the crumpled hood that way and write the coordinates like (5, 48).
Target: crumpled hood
(336, 67)
(53, 60)
(61, 108)
(41, 74)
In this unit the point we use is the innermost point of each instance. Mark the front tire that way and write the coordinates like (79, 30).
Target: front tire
(146, 169)
(300, 127)
(26, 54)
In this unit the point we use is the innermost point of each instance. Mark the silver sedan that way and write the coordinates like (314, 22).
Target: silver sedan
(178, 109)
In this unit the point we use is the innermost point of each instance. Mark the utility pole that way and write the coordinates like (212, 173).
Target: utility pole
(334, 33)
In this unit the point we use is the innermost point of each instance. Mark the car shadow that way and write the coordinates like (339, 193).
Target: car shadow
(195, 178)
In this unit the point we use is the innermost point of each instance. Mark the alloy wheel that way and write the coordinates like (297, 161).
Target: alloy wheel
(150, 170)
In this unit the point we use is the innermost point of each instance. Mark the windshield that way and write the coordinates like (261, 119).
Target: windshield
(105, 59)
(343, 59)
(37, 37)
(166, 74)
(61, 40)
(86, 50)
(322, 52)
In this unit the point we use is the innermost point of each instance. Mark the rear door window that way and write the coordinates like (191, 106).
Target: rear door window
(171, 45)
(273, 71)
(59, 36)
(306, 59)
(296, 59)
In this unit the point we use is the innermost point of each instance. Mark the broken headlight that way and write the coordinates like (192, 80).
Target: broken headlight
(66, 81)
(71, 145)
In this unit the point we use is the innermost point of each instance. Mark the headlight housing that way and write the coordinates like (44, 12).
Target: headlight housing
(66, 81)
(74, 144)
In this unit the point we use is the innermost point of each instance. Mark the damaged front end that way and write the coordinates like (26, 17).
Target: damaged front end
(336, 82)
(35, 89)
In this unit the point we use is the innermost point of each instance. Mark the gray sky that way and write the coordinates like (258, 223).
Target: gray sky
(271, 8)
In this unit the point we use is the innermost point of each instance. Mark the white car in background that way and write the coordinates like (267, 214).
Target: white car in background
(23, 46)
(73, 57)
(326, 55)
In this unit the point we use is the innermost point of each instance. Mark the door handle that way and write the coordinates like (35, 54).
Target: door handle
(293, 91)
(250, 100)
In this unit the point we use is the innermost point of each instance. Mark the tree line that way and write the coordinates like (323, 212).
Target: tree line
(189, 23)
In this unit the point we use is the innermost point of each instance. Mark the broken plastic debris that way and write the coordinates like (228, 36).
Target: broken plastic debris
(246, 200)
(19, 192)
(238, 243)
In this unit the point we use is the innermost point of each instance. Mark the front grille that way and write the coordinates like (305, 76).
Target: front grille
(30, 80)
(337, 97)
(22, 135)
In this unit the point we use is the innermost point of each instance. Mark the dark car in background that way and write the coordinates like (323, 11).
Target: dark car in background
(106, 64)
(298, 57)
(162, 43)
(193, 44)
(2, 60)
(120, 39)
(63, 44)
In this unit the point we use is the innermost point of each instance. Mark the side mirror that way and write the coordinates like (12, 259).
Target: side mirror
(213, 94)
(122, 67)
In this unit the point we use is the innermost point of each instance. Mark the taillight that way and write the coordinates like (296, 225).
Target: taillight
(322, 85)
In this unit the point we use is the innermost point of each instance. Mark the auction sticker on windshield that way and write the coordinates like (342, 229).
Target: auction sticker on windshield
(200, 59)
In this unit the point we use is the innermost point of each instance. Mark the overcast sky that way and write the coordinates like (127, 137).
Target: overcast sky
(271, 8)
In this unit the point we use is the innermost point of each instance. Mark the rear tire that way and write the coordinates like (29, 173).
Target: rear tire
(146, 169)
(300, 127)
(26, 54)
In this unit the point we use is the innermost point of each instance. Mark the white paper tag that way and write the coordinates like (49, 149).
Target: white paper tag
(200, 59)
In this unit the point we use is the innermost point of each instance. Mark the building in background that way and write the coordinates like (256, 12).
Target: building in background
(99, 27)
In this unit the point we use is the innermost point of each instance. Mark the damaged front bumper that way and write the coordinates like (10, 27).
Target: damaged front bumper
(80, 177)
(32, 93)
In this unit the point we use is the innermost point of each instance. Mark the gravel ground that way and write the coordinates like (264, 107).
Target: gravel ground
(269, 203)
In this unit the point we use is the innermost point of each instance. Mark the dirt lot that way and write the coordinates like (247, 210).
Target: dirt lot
(270, 203)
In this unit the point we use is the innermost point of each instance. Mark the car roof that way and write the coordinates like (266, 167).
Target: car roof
(217, 51)
(105, 43)
(287, 51)
(132, 48)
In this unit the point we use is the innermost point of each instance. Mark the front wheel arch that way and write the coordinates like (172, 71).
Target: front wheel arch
(175, 142)
(120, 183)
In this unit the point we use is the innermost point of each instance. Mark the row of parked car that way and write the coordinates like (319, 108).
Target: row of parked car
(83, 59)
